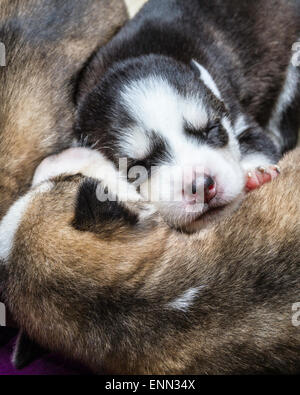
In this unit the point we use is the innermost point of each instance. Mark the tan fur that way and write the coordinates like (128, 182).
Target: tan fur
(106, 302)
(36, 112)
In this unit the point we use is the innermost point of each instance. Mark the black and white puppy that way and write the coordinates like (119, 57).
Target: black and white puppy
(204, 85)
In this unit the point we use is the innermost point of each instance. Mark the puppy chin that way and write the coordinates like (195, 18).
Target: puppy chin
(212, 217)
(190, 221)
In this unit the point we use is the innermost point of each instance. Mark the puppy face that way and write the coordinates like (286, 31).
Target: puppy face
(165, 126)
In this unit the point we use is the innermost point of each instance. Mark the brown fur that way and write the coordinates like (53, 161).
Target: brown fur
(107, 302)
(47, 43)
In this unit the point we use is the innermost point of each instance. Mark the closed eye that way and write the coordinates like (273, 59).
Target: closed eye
(212, 126)
(159, 152)
(213, 134)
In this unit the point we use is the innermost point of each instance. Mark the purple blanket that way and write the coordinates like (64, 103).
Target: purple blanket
(48, 365)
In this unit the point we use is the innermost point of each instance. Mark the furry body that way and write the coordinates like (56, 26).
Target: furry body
(47, 43)
(103, 283)
(203, 84)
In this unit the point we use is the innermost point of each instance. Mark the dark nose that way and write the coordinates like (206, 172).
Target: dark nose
(209, 188)
(209, 183)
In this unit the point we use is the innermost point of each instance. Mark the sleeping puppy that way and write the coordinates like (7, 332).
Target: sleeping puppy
(195, 95)
(47, 43)
(101, 281)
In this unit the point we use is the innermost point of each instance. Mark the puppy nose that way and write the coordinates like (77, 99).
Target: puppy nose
(210, 190)
(209, 187)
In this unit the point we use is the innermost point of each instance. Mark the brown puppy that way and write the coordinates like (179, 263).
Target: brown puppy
(109, 284)
(47, 42)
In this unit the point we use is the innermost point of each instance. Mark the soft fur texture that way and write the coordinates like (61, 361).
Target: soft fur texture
(109, 283)
(47, 43)
(114, 287)
(201, 86)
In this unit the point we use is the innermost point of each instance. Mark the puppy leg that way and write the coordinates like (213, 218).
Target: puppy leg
(259, 158)
(260, 176)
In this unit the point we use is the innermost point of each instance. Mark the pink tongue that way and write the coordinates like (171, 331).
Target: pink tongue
(257, 178)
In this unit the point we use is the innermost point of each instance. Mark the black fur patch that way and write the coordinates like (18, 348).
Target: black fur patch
(289, 125)
(96, 216)
(6, 335)
(26, 351)
(253, 140)
(214, 134)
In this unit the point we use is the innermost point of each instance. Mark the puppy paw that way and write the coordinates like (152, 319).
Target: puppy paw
(260, 176)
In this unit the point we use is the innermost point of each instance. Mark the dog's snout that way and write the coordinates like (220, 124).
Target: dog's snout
(207, 187)
(194, 187)
(209, 183)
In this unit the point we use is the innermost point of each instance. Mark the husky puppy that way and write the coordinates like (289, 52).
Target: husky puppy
(46, 44)
(102, 282)
(204, 87)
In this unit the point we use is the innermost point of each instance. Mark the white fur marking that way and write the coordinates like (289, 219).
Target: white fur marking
(184, 301)
(89, 163)
(155, 105)
(13, 218)
(240, 125)
(208, 80)
(135, 143)
(286, 97)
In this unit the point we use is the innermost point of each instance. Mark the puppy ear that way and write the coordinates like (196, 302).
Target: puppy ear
(26, 351)
(98, 211)
(207, 78)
